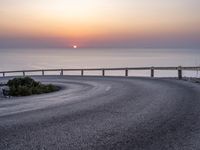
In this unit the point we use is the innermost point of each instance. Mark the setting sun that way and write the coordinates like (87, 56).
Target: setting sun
(74, 46)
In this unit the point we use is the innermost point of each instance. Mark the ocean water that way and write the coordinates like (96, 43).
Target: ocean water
(25, 59)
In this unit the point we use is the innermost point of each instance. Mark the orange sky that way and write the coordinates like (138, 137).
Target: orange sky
(79, 21)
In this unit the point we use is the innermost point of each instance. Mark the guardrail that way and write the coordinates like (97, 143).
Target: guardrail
(179, 69)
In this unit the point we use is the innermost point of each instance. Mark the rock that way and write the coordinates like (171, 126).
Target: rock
(4, 91)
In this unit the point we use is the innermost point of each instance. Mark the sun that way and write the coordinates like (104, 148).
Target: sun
(74, 46)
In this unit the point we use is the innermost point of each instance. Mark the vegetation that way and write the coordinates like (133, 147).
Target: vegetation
(27, 86)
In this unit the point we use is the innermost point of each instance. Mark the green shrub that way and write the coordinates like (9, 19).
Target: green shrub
(27, 86)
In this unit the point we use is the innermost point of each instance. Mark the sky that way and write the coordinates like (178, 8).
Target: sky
(100, 23)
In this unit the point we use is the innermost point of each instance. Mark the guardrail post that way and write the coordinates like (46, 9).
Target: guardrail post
(180, 73)
(61, 72)
(24, 73)
(42, 72)
(3, 74)
(152, 72)
(103, 72)
(126, 72)
(82, 72)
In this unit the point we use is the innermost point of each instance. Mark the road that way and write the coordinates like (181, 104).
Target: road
(104, 113)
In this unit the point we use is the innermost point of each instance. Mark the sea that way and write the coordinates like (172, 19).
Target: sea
(26, 59)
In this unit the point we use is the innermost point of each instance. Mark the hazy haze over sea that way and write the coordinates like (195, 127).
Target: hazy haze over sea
(19, 59)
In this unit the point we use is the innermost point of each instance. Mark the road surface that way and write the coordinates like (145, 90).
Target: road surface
(104, 113)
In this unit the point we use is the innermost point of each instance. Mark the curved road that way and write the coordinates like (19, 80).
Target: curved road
(111, 113)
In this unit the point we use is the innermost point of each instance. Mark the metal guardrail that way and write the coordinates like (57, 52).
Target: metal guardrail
(126, 70)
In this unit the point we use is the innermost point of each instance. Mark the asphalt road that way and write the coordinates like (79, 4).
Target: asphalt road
(95, 113)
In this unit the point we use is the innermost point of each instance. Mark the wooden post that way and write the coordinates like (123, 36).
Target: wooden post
(3, 74)
(126, 72)
(61, 72)
(152, 72)
(82, 72)
(103, 72)
(42, 72)
(24, 73)
(180, 73)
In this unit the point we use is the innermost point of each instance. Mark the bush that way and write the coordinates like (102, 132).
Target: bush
(27, 86)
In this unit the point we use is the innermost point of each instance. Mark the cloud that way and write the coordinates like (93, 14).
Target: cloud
(118, 41)
(32, 43)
